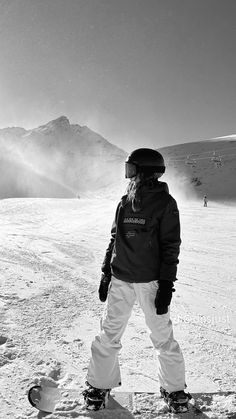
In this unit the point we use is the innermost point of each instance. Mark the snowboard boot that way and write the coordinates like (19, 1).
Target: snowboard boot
(177, 401)
(95, 398)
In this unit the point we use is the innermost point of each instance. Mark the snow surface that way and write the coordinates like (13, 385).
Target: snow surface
(51, 252)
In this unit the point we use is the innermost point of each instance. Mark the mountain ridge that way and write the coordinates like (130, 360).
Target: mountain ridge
(41, 160)
(68, 154)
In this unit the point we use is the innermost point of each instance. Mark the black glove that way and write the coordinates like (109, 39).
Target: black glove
(163, 296)
(103, 287)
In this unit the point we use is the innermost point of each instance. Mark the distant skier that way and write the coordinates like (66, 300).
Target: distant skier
(205, 201)
(140, 264)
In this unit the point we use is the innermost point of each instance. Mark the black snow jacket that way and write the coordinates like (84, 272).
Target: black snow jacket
(144, 245)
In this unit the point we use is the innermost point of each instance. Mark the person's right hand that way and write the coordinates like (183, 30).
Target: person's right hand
(103, 287)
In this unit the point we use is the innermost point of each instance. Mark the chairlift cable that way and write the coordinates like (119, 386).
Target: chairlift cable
(195, 159)
(191, 155)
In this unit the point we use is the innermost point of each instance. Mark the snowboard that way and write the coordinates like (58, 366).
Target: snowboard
(48, 399)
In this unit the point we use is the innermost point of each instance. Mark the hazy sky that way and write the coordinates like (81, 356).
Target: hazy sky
(139, 72)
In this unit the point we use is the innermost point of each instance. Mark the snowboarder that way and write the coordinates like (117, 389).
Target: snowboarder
(140, 264)
(205, 200)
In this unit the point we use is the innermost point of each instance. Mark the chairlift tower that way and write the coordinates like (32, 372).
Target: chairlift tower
(190, 161)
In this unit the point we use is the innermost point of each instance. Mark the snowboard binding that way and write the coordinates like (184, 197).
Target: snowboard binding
(95, 398)
(177, 401)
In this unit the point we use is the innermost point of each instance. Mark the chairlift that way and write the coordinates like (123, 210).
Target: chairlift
(190, 161)
(216, 159)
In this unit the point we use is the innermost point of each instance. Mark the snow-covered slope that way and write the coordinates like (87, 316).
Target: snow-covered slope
(51, 252)
(203, 167)
(69, 155)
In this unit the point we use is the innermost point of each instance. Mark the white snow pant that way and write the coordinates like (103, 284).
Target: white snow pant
(103, 370)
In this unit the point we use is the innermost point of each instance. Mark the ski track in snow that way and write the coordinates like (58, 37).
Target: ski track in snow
(51, 252)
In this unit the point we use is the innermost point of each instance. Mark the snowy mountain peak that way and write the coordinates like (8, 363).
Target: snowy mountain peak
(61, 123)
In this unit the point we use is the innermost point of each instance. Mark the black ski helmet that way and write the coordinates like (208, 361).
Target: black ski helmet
(146, 161)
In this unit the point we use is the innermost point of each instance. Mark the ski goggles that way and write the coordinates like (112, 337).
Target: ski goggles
(132, 169)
